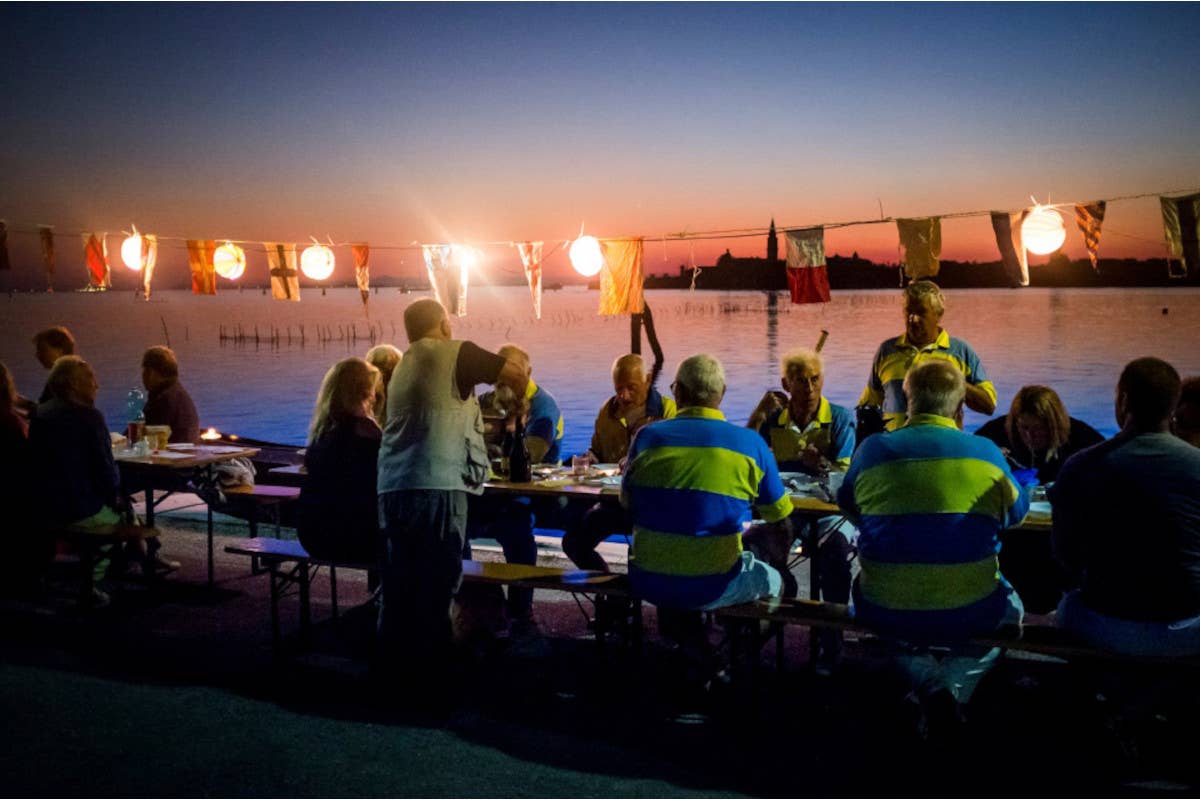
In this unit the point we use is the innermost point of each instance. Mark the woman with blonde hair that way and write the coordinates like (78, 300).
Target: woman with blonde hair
(338, 516)
(385, 358)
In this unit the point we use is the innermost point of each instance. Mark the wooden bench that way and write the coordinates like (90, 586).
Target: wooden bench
(289, 564)
(1043, 640)
(94, 544)
(252, 501)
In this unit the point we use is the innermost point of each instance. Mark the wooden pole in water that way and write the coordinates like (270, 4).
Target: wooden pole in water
(821, 341)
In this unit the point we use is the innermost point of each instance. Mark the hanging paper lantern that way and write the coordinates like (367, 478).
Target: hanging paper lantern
(229, 261)
(586, 257)
(131, 251)
(465, 257)
(1043, 231)
(316, 262)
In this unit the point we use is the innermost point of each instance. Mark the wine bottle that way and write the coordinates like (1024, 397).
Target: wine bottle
(520, 470)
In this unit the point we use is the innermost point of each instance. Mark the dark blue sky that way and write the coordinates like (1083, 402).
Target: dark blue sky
(401, 123)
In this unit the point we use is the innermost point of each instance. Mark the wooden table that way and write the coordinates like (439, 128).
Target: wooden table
(171, 470)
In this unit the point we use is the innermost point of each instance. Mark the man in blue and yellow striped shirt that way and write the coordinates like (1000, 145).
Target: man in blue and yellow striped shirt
(690, 486)
(930, 501)
(923, 340)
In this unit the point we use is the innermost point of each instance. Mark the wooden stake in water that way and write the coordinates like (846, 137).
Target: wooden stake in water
(821, 341)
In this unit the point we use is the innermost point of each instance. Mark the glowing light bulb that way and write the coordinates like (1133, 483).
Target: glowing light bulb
(465, 256)
(210, 435)
(1043, 231)
(131, 252)
(316, 262)
(229, 261)
(586, 256)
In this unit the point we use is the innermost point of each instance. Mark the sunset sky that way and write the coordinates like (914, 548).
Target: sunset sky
(408, 123)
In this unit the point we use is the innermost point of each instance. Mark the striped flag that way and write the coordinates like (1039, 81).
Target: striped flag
(1181, 228)
(449, 282)
(1089, 217)
(362, 273)
(807, 274)
(531, 259)
(200, 259)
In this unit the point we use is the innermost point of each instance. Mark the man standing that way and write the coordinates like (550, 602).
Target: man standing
(690, 486)
(1127, 525)
(431, 459)
(930, 501)
(923, 339)
(168, 403)
(634, 404)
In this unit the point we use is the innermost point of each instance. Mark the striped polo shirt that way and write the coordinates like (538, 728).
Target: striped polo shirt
(832, 433)
(691, 485)
(545, 420)
(895, 357)
(929, 502)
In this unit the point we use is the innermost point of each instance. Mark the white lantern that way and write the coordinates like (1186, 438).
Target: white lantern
(586, 256)
(465, 257)
(131, 252)
(1043, 231)
(316, 262)
(229, 261)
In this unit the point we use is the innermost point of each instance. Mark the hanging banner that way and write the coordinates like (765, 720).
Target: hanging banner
(4, 262)
(920, 246)
(621, 277)
(1089, 217)
(285, 281)
(808, 277)
(200, 259)
(46, 236)
(149, 258)
(362, 273)
(449, 281)
(1012, 247)
(95, 254)
(531, 259)
(1181, 227)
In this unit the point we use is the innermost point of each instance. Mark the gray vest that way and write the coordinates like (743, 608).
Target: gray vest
(433, 439)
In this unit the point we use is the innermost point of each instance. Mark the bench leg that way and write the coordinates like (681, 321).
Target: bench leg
(277, 579)
(305, 608)
(210, 545)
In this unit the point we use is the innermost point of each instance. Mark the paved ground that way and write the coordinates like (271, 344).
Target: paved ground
(175, 691)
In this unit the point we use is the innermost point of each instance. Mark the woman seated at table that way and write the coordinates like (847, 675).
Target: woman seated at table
(339, 517)
(27, 553)
(1037, 433)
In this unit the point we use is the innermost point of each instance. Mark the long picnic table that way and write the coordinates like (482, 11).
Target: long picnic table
(171, 470)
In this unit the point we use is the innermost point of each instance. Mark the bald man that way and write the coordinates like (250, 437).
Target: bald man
(432, 458)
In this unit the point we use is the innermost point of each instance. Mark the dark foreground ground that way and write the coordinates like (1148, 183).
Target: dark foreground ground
(174, 692)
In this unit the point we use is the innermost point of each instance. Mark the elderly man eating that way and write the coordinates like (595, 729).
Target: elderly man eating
(690, 486)
(930, 501)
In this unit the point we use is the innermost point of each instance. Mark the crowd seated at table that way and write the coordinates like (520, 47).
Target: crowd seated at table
(397, 460)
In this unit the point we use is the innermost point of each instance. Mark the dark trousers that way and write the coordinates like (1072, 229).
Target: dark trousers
(509, 522)
(582, 535)
(424, 532)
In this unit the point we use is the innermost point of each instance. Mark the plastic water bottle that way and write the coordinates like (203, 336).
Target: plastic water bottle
(135, 404)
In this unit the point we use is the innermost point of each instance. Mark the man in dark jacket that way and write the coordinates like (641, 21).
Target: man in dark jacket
(168, 402)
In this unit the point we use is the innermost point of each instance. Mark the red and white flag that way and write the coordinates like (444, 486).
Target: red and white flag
(95, 253)
(531, 259)
(807, 274)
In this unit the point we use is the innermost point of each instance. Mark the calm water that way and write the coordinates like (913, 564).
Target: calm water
(1073, 339)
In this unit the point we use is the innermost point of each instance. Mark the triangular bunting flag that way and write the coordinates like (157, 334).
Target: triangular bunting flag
(46, 236)
(200, 259)
(95, 253)
(285, 281)
(1012, 246)
(1181, 227)
(1089, 217)
(920, 246)
(4, 262)
(531, 259)
(362, 273)
(621, 277)
(808, 277)
(149, 258)
(449, 282)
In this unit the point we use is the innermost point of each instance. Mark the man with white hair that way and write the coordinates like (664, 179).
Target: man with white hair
(690, 486)
(930, 501)
(924, 339)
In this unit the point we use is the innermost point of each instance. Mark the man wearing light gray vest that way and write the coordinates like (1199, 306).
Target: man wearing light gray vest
(432, 457)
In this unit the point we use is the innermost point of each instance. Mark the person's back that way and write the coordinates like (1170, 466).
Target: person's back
(72, 452)
(1137, 500)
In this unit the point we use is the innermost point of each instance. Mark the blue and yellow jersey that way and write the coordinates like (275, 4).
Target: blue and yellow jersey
(691, 484)
(545, 420)
(929, 502)
(832, 433)
(895, 357)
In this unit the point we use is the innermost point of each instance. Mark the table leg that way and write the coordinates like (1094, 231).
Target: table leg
(149, 506)
(210, 546)
(814, 584)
